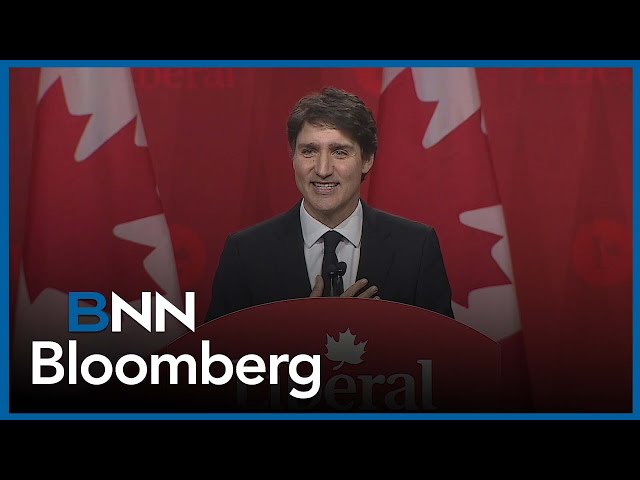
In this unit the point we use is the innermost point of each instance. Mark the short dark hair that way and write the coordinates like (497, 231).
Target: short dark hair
(335, 108)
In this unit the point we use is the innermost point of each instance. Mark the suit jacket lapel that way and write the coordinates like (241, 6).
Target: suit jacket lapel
(290, 264)
(376, 253)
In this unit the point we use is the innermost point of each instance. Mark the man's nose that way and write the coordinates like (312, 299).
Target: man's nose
(324, 165)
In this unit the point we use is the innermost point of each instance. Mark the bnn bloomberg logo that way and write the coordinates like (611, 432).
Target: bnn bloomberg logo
(247, 370)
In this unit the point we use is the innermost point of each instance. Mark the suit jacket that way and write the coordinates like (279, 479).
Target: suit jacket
(266, 263)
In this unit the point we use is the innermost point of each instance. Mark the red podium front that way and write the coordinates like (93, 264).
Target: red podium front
(375, 356)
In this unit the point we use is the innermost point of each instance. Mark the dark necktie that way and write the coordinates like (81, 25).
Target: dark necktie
(330, 262)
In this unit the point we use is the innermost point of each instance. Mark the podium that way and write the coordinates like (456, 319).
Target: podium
(374, 356)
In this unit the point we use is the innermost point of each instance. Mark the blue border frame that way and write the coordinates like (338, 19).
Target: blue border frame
(4, 238)
(4, 243)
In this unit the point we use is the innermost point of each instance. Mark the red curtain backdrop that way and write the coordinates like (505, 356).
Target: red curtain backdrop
(559, 150)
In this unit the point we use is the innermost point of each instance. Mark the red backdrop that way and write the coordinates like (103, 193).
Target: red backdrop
(560, 143)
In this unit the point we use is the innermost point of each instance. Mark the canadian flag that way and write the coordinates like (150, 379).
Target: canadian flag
(434, 166)
(95, 221)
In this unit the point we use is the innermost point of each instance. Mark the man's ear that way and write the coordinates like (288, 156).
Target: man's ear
(367, 164)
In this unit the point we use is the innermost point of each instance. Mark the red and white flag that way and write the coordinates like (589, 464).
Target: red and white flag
(95, 221)
(434, 166)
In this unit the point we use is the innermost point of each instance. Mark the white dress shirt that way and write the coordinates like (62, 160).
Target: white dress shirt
(348, 250)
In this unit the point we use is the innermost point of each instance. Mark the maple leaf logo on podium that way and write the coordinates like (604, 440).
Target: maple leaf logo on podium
(345, 349)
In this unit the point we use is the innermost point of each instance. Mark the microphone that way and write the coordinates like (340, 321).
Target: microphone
(335, 272)
(341, 270)
(332, 271)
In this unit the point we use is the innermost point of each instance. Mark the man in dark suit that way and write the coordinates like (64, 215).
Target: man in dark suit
(331, 238)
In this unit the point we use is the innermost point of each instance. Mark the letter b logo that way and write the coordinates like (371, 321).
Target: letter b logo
(76, 311)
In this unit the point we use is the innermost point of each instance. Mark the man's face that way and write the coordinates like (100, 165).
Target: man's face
(328, 168)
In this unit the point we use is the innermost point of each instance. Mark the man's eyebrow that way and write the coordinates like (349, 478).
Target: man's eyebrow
(308, 145)
(332, 146)
(346, 146)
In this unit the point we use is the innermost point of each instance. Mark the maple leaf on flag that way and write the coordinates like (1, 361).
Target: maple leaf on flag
(72, 243)
(435, 175)
(345, 349)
